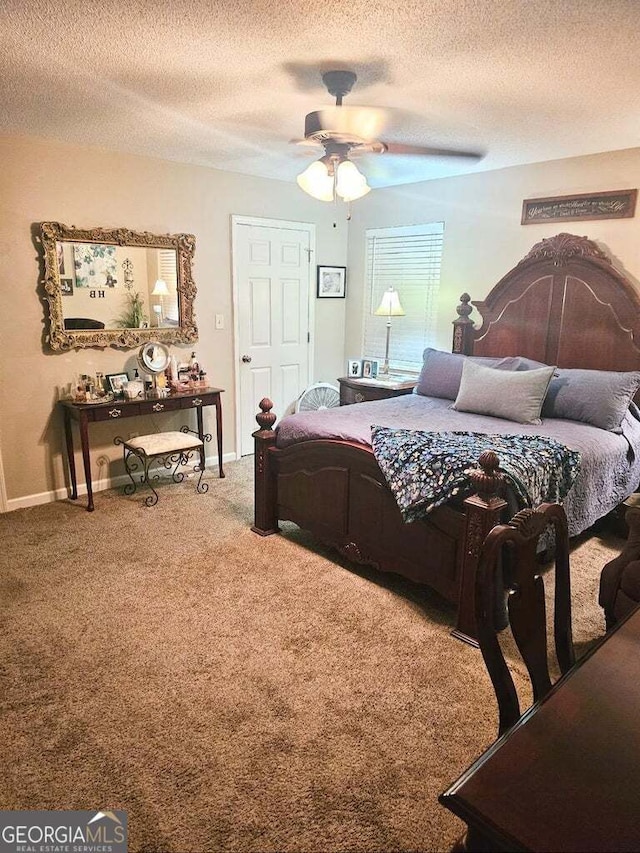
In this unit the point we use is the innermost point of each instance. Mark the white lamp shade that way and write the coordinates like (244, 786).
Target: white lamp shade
(160, 288)
(316, 181)
(350, 183)
(390, 305)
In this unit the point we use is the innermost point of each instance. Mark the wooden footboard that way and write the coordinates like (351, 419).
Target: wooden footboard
(335, 490)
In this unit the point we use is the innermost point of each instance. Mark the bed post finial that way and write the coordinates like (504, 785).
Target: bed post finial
(483, 510)
(487, 481)
(463, 327)
(265, 498)
(265, 417)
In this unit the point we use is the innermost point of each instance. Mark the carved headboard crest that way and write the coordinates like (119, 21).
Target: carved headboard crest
(564, 246)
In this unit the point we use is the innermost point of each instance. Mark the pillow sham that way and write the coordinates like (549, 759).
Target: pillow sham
(597, 397)
(441, 371)
(525, 363)
(512, 395)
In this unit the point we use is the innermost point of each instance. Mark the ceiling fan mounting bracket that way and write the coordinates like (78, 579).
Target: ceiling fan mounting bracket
(339, 83)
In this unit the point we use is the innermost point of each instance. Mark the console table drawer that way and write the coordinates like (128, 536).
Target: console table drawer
(115, 410)
(164, 404)
(198, 400)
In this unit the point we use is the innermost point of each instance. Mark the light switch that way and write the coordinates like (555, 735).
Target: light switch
(219, 321)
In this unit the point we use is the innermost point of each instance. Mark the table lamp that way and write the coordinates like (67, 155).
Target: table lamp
(389, 307)
(160, 289)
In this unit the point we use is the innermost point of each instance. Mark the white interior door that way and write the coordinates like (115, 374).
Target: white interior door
(272, 266)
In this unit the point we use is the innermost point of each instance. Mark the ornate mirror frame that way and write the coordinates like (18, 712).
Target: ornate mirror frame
(61, 339)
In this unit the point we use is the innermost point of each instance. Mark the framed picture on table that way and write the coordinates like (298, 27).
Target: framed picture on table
(116, 382)
(354, 368)
(370, 367)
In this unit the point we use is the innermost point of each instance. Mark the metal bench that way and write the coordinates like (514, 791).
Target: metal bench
(172, 449)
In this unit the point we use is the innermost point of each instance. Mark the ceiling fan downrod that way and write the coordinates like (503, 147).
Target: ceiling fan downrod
(339, 84)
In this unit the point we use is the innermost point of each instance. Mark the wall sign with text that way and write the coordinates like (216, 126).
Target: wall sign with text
(616, 204)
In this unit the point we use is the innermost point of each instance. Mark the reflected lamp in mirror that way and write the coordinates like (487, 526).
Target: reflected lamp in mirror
(93, 303)
(389, 307)
(160, 289)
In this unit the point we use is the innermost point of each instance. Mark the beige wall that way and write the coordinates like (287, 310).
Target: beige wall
(483, 237)
(42, 180)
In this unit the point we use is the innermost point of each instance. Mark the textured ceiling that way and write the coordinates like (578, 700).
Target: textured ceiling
(227, 83)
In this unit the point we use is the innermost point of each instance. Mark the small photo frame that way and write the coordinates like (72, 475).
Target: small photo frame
(370, 368)
(332, 282)
(117, 382)
(66, 286)
(354, 368)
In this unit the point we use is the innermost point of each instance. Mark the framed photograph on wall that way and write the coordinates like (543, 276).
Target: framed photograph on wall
(354, 368)
(332, 282)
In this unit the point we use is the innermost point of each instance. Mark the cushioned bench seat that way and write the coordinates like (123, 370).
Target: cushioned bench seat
(159, 443)
(172, 448)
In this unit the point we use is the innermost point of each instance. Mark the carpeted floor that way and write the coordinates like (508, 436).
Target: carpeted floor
(234, 693)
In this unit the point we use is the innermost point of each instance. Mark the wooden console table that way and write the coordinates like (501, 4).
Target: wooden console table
(86, 413)
(565, 776)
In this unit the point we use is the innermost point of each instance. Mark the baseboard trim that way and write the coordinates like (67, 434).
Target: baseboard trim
(98, 486)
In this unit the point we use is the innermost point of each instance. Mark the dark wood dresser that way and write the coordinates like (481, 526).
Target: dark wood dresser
(363, 390)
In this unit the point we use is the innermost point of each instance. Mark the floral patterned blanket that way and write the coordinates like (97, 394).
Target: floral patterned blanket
(426, 469)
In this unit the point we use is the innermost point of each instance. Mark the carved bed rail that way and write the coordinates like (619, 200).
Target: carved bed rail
(441, 552)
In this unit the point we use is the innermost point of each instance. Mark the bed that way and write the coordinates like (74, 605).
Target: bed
(564, 304)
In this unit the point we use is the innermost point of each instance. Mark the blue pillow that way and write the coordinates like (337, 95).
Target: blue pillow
(597, 397)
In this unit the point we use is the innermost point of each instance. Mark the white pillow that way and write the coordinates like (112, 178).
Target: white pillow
(512, 395)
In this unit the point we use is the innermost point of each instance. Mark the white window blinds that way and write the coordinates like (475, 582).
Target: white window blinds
(167, 270)
(407, 258)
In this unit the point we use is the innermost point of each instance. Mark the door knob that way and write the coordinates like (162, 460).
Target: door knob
(246, 359)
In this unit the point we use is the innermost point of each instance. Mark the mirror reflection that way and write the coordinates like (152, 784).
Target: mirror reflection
(117, 287)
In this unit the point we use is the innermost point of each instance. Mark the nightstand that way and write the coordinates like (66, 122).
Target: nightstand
(361, 390)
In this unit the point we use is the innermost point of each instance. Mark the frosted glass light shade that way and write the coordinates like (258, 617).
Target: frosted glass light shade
(350, 183)
(160, 288)
(390, 305)
(316, 181)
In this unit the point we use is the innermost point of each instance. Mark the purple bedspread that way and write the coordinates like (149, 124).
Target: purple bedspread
(610, 463)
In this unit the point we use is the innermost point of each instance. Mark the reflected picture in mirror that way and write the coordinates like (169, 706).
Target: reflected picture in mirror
(120, 287)
(98, 290)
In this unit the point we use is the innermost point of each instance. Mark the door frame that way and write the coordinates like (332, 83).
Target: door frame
(238, 220)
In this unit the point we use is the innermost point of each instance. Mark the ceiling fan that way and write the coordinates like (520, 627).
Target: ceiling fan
(343, 131)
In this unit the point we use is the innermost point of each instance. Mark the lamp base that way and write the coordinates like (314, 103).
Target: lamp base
(384, 370)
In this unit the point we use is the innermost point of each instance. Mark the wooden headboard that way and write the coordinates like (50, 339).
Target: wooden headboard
(563, 304)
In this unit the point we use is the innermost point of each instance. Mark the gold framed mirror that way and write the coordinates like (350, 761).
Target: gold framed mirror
(116, 287)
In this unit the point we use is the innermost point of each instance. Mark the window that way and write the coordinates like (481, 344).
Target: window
(407, 258)
(167, 270)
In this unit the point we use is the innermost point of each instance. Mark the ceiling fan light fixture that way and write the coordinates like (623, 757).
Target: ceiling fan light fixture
(351, 184)
(317, 181)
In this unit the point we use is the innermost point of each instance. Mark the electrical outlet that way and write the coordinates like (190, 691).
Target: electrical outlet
(219, 321)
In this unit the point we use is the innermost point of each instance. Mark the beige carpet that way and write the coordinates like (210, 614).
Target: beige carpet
(234, 693)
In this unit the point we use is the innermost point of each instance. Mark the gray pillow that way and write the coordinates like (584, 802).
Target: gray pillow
(525, 363)
(598, 397)
(512, 395)
(441, 372)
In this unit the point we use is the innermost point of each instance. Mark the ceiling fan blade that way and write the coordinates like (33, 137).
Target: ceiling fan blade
(420, 150)
(310, 143)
